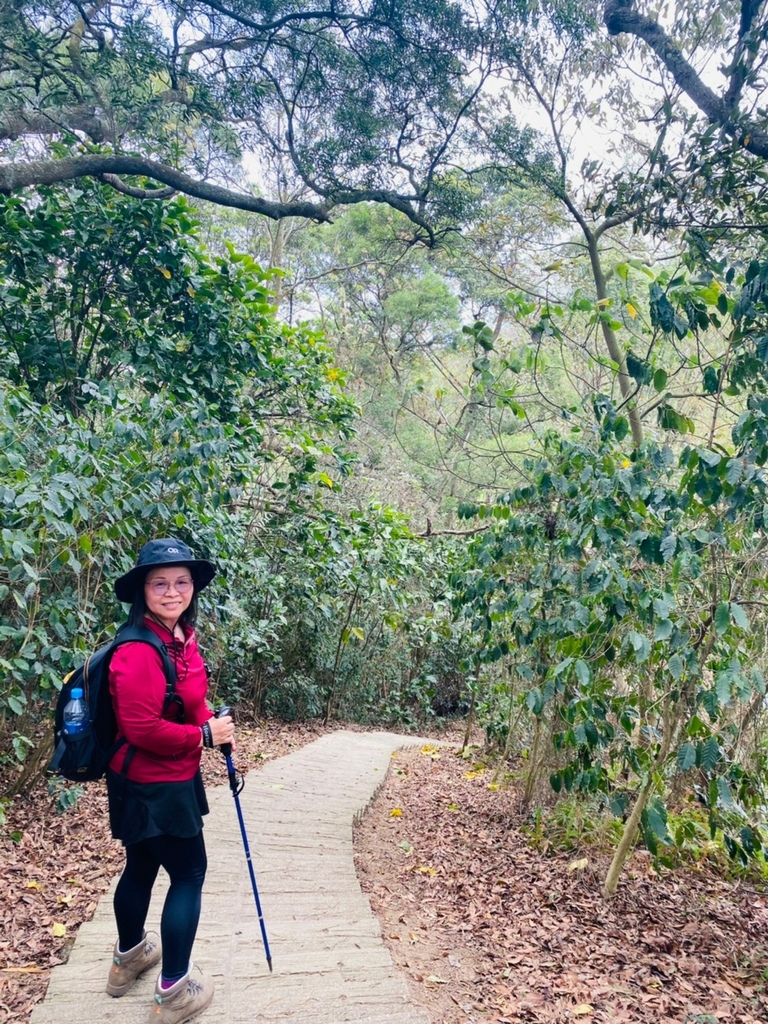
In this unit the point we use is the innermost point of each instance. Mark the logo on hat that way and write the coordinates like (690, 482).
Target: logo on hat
(172, 551)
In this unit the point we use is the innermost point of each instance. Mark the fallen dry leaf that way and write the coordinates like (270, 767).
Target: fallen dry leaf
(578, 865)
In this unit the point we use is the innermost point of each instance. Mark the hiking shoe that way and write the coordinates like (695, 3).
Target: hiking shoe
(183, 1000)
(126, 967)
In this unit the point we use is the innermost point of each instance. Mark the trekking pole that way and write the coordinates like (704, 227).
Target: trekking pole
(236, 784)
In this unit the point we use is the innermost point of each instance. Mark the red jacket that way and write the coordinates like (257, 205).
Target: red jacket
(166, 750)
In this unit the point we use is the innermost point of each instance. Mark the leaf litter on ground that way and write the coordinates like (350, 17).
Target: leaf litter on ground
(485, 927)
(496, 930)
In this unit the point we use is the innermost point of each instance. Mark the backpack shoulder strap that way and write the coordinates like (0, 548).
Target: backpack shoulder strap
(140, 634)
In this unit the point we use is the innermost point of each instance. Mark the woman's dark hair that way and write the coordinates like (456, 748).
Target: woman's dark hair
(139, 609)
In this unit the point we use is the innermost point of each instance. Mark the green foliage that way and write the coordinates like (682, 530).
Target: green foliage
(95, 287)
(64, 794)
(350, 95)
(608, 608)
(193, 412)
(366, 623)
(574, 824)
(600, 584)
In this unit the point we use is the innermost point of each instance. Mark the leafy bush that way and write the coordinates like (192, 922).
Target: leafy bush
(170, 401)
(618, 591)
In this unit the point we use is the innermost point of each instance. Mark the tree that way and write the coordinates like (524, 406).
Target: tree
(618, 591)
(102, 293)
(147, 385)
(737, 30)
(557, 78)
(706, 172)
(363, 100)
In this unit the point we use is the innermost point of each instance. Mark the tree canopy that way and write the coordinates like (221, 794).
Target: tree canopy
(362, 99)
(735, 29)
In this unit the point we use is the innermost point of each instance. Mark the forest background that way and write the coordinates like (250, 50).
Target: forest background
(466, 397)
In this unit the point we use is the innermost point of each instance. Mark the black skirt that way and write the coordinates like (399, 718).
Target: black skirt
(140, 810)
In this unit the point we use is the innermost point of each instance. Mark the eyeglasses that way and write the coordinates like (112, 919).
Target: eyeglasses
(160, 587)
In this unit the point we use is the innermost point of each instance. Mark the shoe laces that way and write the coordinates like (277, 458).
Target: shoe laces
(194, 987)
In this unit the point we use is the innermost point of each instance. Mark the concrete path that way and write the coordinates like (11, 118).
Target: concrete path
(330, 963)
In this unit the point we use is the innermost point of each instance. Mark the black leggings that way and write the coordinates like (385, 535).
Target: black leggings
(186, 862)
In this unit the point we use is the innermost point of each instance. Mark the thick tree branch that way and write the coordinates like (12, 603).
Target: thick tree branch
(47, 172)
(19, 123)
(429, 532)
(330, 16)
(744, 54)
(620, 16)
(15, 124)
(77, 75)
(15, 176)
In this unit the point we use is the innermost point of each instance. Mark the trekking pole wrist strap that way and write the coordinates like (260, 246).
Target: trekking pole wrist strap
(205, 729)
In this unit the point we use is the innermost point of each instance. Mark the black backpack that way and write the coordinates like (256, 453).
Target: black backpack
(86, 755)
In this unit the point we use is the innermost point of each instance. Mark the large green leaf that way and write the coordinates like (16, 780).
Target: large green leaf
(723, 687)
(676, 667)
(724, 794)
(686, 756)
(641, 645)
(709, 754)
(663, 630)
(723, 617)
(739, 615)
(582, 672)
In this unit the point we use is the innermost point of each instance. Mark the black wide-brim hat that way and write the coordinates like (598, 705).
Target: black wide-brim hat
(167, 551)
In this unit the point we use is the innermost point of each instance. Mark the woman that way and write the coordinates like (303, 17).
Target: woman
(156, 794)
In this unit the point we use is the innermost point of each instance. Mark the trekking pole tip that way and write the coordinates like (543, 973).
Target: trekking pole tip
(269, 963)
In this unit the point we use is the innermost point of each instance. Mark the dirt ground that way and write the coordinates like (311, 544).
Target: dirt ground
(486, 927)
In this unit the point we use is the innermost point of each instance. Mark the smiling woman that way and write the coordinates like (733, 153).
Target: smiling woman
(156, 795)
(168, 593)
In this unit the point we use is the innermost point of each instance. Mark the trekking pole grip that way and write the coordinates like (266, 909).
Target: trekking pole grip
(235, 784)
(225, 748)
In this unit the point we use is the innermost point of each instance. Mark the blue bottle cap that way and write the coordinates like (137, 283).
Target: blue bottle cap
(76, 693)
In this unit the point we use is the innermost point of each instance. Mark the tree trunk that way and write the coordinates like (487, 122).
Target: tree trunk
(533, 770)
(337, 661)
(470, 719)
(624, 848)
(33, 770)
(626, 383)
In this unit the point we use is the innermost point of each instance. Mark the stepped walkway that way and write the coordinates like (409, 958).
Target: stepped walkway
(330, 964)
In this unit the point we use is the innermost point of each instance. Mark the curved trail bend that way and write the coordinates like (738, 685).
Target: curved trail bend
(330, 963)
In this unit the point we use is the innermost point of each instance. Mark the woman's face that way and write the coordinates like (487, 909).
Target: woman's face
(168, 592)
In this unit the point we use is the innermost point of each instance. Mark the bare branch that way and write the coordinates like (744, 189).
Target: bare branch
(22, 122)
(429, 532)
(137, 193)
